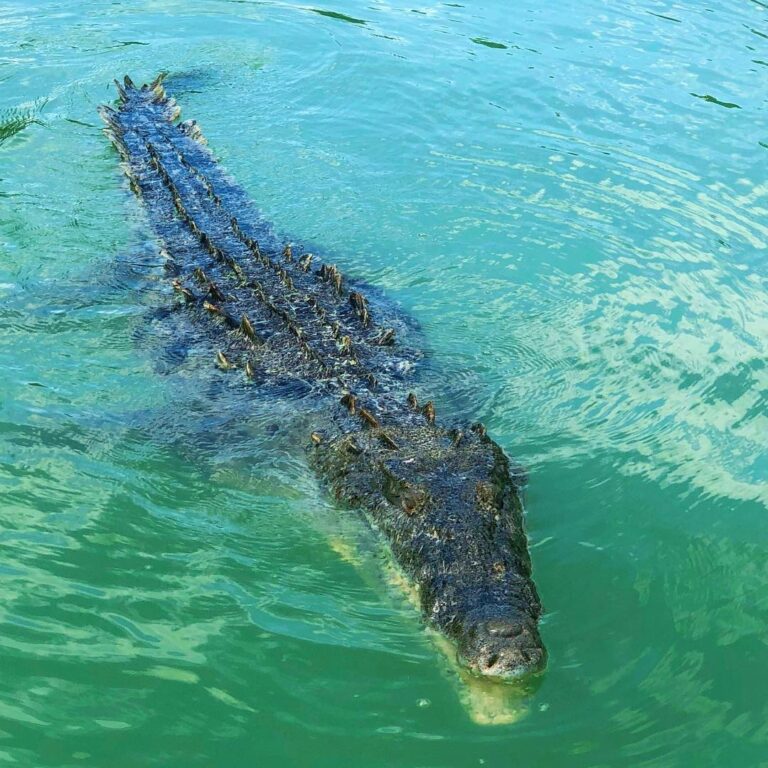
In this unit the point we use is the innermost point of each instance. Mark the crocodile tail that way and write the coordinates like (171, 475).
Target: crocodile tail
(134, 98)
(131, 100)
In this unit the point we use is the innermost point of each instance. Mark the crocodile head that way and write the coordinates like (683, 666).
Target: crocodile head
(450, 507)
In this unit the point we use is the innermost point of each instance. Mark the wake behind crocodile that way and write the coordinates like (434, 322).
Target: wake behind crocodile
(442, 495)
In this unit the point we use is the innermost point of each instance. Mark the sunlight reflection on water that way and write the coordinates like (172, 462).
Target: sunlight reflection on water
(573, 209)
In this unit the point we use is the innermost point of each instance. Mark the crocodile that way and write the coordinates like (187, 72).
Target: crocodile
(444, 496)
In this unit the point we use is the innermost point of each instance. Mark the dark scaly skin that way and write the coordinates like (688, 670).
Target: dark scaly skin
(442, 495)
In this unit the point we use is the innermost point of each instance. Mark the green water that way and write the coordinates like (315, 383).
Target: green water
(571, 200)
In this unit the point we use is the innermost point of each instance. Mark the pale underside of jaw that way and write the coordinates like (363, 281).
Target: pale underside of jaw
(487, 701)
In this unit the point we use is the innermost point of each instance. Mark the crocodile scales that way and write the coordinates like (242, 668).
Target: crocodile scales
(443, 495)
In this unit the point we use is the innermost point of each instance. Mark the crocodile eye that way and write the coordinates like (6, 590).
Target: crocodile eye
(409, 497)
(485, 495)
(413, 500)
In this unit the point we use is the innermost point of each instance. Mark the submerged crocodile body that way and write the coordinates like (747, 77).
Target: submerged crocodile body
(442, 494)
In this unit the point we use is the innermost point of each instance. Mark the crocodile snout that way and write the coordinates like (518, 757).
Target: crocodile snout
(502, 647)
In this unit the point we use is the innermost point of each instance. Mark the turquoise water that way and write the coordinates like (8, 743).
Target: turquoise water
(571, 200)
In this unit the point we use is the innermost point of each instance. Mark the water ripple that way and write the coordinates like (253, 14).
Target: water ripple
(569, 202)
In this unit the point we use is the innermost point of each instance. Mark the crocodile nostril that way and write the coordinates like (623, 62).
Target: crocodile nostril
(502, 628)
(491, 661)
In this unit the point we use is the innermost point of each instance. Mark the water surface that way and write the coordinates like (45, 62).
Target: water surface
(571, 200)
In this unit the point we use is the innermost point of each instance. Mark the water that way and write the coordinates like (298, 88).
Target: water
(570, 198)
